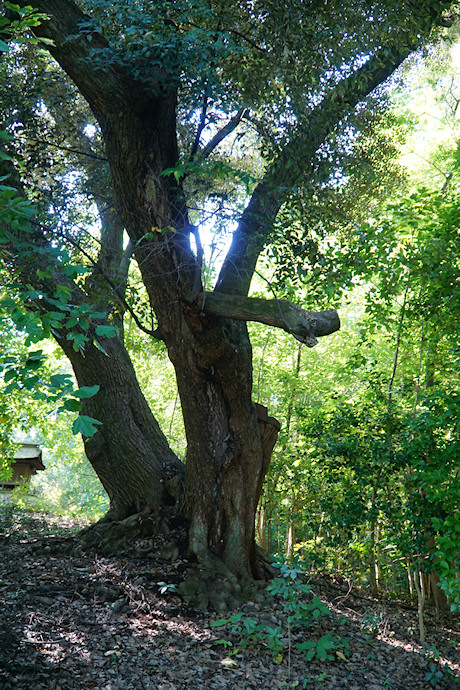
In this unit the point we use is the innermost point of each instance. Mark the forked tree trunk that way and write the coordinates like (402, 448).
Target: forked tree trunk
(227, 453)
(229, 440)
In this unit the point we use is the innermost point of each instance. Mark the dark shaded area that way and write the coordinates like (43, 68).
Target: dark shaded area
(72, 621)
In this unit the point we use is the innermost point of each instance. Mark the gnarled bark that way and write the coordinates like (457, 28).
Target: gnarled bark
(304, 325)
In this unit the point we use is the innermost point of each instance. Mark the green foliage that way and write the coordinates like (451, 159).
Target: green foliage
(434, 675)
(292, 593)
(246, 627)
(24, 371)
(447, 561)
(28, 373)
(290, 590)
(366, 469)
(166, 587)
(17, 28)
(69, 485)
(436, 671)
(318, 648)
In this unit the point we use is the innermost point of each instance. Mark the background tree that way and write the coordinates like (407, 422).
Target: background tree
(374, 435)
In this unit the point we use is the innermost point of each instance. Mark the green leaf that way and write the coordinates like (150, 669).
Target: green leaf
(107, 331)
(99, 347)
(219, 622)
(72, 405)
(10, 387)
(86, 391)
(79, 340)
(31, 382)
(60, 380)
(9, 375)
(86, 426)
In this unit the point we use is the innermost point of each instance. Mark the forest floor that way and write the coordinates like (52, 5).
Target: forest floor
(90, 622)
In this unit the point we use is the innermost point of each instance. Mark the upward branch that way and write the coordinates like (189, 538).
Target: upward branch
(227, 129)
(138, 122)
(296, 158)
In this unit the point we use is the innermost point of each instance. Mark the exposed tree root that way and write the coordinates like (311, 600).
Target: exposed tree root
(208, 584)
(206, 589)
(162, 536)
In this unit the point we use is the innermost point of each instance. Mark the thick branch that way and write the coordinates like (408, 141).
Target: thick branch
(296, 158)
(108, 87)
(138, 122)
(304, 325)
(73, 52)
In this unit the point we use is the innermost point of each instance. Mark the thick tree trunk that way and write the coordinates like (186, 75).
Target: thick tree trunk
(129, 453)
(225, 450)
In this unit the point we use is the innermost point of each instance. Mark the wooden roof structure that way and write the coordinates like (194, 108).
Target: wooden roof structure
(27, 461)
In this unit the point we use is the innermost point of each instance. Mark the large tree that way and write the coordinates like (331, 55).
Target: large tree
(168, 83)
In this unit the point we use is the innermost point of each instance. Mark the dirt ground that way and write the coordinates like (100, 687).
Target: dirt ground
(71, 622)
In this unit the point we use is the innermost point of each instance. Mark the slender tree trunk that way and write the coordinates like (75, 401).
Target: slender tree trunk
(261, 528)
(373, 565)
(290, 535)
(421, 596)
(409, 577)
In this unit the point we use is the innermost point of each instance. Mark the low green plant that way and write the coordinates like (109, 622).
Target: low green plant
(226, 644)
(307, 681)
(434, 675)
(436, 672)
(387, 683)
(319, 648)
(166, 587)
(292, 593)
(371, 622)
(430, 653)
(299, 612)
(246, 627)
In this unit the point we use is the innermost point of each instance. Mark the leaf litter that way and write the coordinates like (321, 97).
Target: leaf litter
(69, 622)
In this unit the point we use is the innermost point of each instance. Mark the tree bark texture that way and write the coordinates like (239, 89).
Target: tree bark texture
(304, 325)
(130, 453)
(225, 459)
